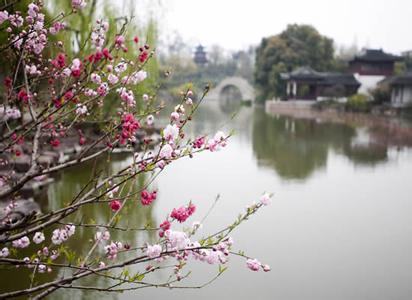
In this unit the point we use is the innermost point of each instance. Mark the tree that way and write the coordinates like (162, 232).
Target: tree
(48, 104)
(298, 45)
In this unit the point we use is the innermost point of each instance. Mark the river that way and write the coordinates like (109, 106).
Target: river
(339, 226)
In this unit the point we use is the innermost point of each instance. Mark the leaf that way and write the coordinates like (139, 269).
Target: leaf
(140, 277)
(222, 269)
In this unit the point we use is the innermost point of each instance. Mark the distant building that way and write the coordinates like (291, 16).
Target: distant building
(200, 56)
(407, 54)
(371, 67)
(307, 84)
(401, 90)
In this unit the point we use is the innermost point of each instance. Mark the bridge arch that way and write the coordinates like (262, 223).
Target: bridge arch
(232, 87)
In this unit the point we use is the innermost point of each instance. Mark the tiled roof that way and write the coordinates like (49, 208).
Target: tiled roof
(405, 79)
(376, 55)
(308, 74)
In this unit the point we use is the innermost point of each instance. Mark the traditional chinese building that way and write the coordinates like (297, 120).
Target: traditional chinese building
(307, 84)
(200, 56)
(401, 90)
(372, 66)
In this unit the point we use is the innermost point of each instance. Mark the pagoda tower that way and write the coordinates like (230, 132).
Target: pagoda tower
(200, 56)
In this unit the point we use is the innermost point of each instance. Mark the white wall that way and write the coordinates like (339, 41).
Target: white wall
(368, 82)
(401, 96)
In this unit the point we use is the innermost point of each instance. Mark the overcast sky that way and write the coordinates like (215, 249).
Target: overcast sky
(235, 24)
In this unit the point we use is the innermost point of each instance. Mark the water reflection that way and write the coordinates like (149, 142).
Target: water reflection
(66, 186)
(296, 148)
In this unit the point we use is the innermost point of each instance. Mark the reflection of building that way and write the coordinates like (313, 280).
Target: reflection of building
(200, 56)
(307, 84)
(372, 66)
(401, 90)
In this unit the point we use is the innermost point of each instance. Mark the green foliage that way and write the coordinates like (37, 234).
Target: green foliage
(298, 45)
(401, 67)
(381, 94)
(358, 103)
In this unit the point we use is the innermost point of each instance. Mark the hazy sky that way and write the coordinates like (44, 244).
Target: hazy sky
(236, 24)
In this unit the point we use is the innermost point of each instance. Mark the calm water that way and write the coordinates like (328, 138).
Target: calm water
(339, 226)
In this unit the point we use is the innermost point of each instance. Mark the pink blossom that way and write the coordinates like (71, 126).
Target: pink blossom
(145, 97)
(4, 15)
(174, 116)
(60, 61)
(103, 89)
(129, 127)
(90, 93)
(12, 113)
(78, 4)
(54, 255)
(57, 26)
(55, 142)
(4, 252)
(32, 69)
(59, 236)
(139, 76)
(199, 142)
(33, 10)
(76, 67)
(182, 213)
(45, 251)
(105, 236)
(21, 243)
(266, 268)
(265, 199)
(180, 109)
(113, 249)
(189, 101)
(177, 239)
(68, 95)
(120, 67)
(70, 228)
(113, 79)
(66, 72)
(149, 120)
(164, 226)
(119, 41)
(170, 133)
(217, 142)
(81, 109)
(253, 264)
(115, 205)
(95, 78)
(38, 237)
(42, 268)
(153, 251)
(127, 96)
(147, 198)
(16, 20)
(166, 151)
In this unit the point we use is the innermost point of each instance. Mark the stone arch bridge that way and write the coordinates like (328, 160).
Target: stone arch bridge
(232, 89)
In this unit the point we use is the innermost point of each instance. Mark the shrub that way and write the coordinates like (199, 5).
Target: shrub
(358, 103)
